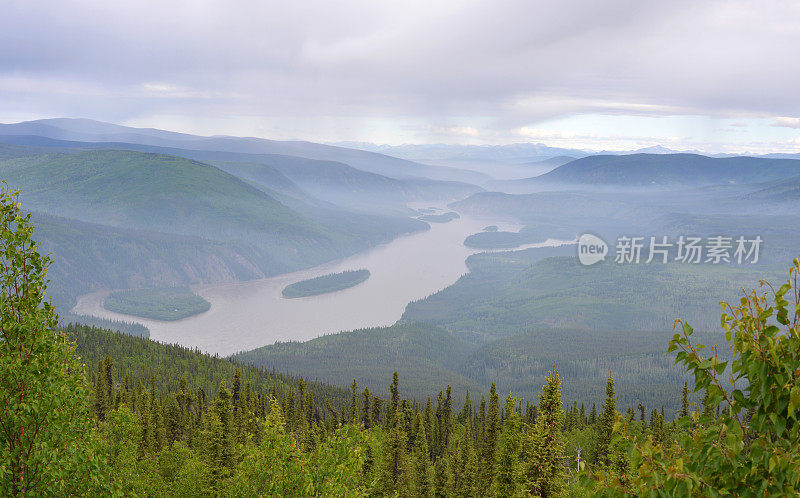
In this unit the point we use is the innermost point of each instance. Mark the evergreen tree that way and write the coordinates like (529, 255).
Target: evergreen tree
(507, 475)
(218, 438)
(489, 446)
(394, 401)
(605, 425)
(421, 482)
(394, 470)
(685, 400)
(445, 422)
(354, 402)
(442, 478)
(100, 393)
(377, 410)
(366, 416)
(466, 410)
(466, 472)
(544, 469)
(708, 407)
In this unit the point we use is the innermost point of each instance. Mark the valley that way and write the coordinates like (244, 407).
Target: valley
(249, 314)
(485, 271)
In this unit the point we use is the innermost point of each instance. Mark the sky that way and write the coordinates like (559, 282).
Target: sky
(715, 76)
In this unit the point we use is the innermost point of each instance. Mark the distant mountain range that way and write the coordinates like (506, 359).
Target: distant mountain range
(238, 208)
(452, 154)
(125, 207)
(638, 170)
(85, 130)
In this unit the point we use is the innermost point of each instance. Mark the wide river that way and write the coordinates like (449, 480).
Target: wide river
(246, 315)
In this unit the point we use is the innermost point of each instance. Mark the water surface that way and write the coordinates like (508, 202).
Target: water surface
(247, 315)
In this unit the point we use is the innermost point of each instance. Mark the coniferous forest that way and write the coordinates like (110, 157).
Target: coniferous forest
(399, 249)
(88, 411)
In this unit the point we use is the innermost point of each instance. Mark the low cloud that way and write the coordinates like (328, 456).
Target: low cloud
(787, 123)
(488, 67)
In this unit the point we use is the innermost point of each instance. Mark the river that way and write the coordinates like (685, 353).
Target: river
(247, 315)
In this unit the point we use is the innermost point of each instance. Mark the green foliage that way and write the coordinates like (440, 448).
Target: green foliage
(165, 303)
(173, 369)
(544, 468)
(751, 447)
(507, 479)
(47, 441)
(421, 354)
(326, 283)
(161, 420)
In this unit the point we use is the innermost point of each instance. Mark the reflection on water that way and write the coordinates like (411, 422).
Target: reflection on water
(246, 315)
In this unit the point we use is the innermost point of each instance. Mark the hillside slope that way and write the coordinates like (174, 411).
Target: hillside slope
(84, 130)
(118, 219)
(668, 170)
(426, 358)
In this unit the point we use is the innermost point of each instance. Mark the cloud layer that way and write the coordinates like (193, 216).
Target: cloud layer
(412, 70)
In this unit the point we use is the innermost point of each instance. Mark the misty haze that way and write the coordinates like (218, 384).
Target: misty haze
(420, 249)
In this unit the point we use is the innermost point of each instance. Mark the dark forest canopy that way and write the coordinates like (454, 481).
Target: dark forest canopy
(88, 411)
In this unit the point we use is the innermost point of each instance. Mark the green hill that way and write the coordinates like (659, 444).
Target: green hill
(508, 293)
(668, 169)
(584, 359)
(153, 192)
(143, 361)
(120, 219)
(425, 357)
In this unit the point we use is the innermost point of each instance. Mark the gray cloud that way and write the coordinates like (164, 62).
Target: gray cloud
(440, 65)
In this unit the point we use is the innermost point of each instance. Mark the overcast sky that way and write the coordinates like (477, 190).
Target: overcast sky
(714, 76)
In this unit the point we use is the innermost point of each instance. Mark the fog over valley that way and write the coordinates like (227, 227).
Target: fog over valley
(461, 249)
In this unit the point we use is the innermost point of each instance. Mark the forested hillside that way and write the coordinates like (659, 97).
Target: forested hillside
(424, 356)
(121, 219)
(669, 170)
(89, 412)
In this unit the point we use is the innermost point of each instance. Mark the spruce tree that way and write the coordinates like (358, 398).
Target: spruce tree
(466, 410)
(466, 471)
(605, 425)
(442, 478)
(366, 416)
(394, 401)
(507, 475)
(100, 393)
(685, 400)
(544, 448)
(394, 472)
(445, 422)
(489, 446)
(421, 481)
(354, 402)
(218, 437)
